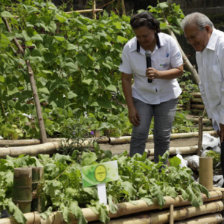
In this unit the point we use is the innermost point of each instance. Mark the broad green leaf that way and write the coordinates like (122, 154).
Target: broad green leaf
(111, 88)
(6, 14)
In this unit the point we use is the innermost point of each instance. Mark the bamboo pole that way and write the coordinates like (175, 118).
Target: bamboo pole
(127, 139)
(94, 8)
(85, 11)
(207, 219)
(43, 135)
(124, 209)
(22, 188)
(24, 142)
(49, 147)
(176, 150)
(200, 133)
(123, 7)
(179, 214)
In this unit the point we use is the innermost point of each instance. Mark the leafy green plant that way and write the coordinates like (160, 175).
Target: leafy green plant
(61, 189)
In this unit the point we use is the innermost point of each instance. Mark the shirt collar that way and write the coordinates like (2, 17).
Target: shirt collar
(212, 40)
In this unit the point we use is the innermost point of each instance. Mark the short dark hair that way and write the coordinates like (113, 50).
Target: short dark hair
(145, 19)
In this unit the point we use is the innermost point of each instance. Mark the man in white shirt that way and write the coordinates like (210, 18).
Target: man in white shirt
(155, 90)
(208, 43)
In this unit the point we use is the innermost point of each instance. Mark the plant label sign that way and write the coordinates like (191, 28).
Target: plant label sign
(100, 174)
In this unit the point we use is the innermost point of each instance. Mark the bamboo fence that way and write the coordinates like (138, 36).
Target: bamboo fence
(213, 204)
(12, 149)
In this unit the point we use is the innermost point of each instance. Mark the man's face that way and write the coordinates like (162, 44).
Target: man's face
(145, 37)
(197, 38)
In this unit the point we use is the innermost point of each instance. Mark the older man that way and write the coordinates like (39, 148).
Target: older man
(208, 43)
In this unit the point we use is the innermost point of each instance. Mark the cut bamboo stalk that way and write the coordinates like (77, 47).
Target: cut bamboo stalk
(197, 106)
(206, 172)
(194, 119)
(175, 150)
(196, 100)
(125, 208)
(43, 135)
(196, 94)
(48, 147)
(206, 219)
(22, 188)
(37, 176)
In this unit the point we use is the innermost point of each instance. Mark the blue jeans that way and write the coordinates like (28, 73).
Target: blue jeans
(163, 114)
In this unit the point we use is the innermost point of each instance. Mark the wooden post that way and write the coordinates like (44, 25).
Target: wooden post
(22, 188)
(43, 135)
(37, 176)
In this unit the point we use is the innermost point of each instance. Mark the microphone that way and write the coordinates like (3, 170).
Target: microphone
(148, 63)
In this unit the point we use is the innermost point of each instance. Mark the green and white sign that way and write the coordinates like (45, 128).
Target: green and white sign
(99, 173)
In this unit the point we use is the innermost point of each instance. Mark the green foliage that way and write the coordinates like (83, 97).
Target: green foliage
(61, 189)
(75, 62)
(169, 15)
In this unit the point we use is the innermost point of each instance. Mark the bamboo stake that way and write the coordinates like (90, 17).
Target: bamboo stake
(123, 7)
(43, 135)
(94, 8)
(22, 188)
(200, 133)
(187, 62)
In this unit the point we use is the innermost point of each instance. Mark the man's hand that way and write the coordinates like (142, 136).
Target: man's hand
(133, 117)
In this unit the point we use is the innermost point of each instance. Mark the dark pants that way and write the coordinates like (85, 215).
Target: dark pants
(222, 157)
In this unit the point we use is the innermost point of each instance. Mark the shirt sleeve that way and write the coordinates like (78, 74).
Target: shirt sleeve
(175, 53)
(125, 66)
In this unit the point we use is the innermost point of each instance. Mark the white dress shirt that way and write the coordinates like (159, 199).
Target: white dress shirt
(211, 72)
(165, 57)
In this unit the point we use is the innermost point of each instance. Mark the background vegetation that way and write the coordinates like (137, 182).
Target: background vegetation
(75, 61)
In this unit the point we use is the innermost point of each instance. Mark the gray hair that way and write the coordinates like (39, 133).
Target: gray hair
(197, 18)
